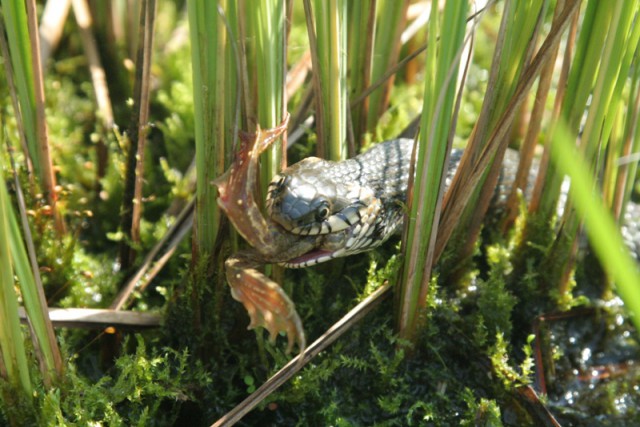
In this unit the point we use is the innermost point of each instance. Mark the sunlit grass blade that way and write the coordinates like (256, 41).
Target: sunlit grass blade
(330, 69)
(265, 27)
(514, 47)
(597, 17)
(15, 21)
(208, 60)
(611, 78)
(532, 135)
(631, 143)
(618, 178)
(46, 346)
(431, 157)
(362, 15)
(457, 198)
(9, 74)
(27, 271)
(391, 17)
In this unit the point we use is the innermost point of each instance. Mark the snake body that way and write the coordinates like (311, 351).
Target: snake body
(357, 204)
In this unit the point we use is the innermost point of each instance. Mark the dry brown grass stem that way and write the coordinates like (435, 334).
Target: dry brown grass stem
(147, 270)
(52, 23)
(83, 17)
(132, 198)
(99, 318)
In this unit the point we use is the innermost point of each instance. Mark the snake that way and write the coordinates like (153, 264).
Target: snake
(356, 205)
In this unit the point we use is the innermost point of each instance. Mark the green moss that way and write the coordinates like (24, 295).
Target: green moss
(144, 388)
(495, 302)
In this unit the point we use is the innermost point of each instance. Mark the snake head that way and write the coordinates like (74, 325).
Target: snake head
(305, 200)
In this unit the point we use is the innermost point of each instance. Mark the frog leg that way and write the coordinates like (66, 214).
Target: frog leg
(265, 301)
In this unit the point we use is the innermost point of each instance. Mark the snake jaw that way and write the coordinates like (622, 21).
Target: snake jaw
(367, 233)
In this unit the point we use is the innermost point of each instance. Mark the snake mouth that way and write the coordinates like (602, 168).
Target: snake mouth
(357, 237)
(310, 258)
(328, 247)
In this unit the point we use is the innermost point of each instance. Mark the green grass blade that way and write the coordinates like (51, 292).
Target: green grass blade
(14, 15)
(361, 39)
(596, 130)
(610, 71)
(36, 307)
(619, 61)
(512, 55)
(22, 33)
(266, 27)
(604, 236)
(580, 83)
(632, 134)
(432, 152)
(459, 195)
(390, 22)
(208, 61)
(331, 64)
(12, 345)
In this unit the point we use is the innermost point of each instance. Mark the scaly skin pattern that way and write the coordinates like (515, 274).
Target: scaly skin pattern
(319, 210)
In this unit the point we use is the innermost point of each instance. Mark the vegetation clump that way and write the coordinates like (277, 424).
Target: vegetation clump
(492, 308)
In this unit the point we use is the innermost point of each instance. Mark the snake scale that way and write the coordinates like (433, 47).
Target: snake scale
(357, 204)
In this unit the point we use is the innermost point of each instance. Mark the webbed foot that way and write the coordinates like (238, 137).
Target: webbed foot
(265, 301)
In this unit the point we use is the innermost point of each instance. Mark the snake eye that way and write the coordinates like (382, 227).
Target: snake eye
(322, 213)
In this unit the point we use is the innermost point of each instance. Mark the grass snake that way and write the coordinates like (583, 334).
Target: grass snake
(355, 205)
